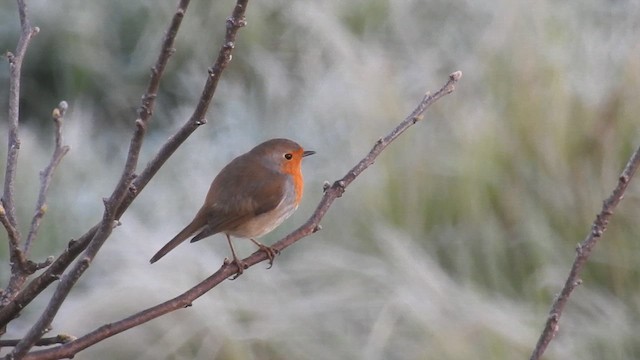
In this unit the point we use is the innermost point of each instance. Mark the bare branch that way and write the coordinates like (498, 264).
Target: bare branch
(15, 67)
(28, 267)
(114, 206)
(583, 251)
(234, 23)
(46, 175)
(228, 269)
(8, 216)
(59, 339)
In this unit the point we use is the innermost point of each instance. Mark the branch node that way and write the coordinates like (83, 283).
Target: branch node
(316, 228)
(325, 186)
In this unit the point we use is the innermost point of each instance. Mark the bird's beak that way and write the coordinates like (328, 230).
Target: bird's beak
(307, 153)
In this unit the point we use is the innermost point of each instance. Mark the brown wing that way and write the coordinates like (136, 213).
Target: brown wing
(249, 198)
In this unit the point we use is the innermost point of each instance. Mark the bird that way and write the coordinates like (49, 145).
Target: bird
(250, 196)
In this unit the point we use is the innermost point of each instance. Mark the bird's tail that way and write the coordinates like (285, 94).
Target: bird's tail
(193, 228)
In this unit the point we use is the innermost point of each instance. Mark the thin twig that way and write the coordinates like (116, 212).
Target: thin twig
(48, 341)
(234, 23)
(583, 251)
(59, 151)
(228, 269)
(18, 279)
(15, 66)
(53, 272)
(9, 220)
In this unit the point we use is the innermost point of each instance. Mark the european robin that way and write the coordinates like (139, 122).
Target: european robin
(250, 197)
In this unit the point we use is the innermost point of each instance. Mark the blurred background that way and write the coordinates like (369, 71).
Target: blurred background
(451, 246)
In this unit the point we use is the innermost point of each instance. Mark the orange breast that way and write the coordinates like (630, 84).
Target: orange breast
(293, 168)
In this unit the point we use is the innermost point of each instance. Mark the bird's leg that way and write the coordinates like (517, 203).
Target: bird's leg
(271, 252)
(239, 263)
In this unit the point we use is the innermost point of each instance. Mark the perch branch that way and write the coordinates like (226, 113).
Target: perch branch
(583, 251)
(228, 269)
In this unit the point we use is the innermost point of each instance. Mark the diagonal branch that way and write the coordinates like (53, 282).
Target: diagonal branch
(228, 269)
(234, 23)
(583, 251)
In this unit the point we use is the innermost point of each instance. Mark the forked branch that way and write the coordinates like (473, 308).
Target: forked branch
(8, 208)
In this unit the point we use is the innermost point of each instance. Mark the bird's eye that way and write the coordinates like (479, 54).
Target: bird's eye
(288, 156)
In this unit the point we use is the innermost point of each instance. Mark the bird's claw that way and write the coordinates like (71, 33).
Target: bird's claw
(240, 264)
(271, 253)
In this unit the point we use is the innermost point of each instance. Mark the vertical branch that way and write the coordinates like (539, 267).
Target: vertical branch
(59, 151)
(15, 71)
(8, 210)
(583, 251)
(28, 267)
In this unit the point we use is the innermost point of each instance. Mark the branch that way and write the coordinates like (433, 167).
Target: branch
(228, 269)
(583, 251)
(59, 339)
(115, 205)
(46, 175)
(15, 68)
(8, 215)
(234, 23)
(27, 268)
(53, 272)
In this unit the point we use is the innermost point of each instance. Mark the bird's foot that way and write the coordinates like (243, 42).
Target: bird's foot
(271, 253)
(239, 263)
